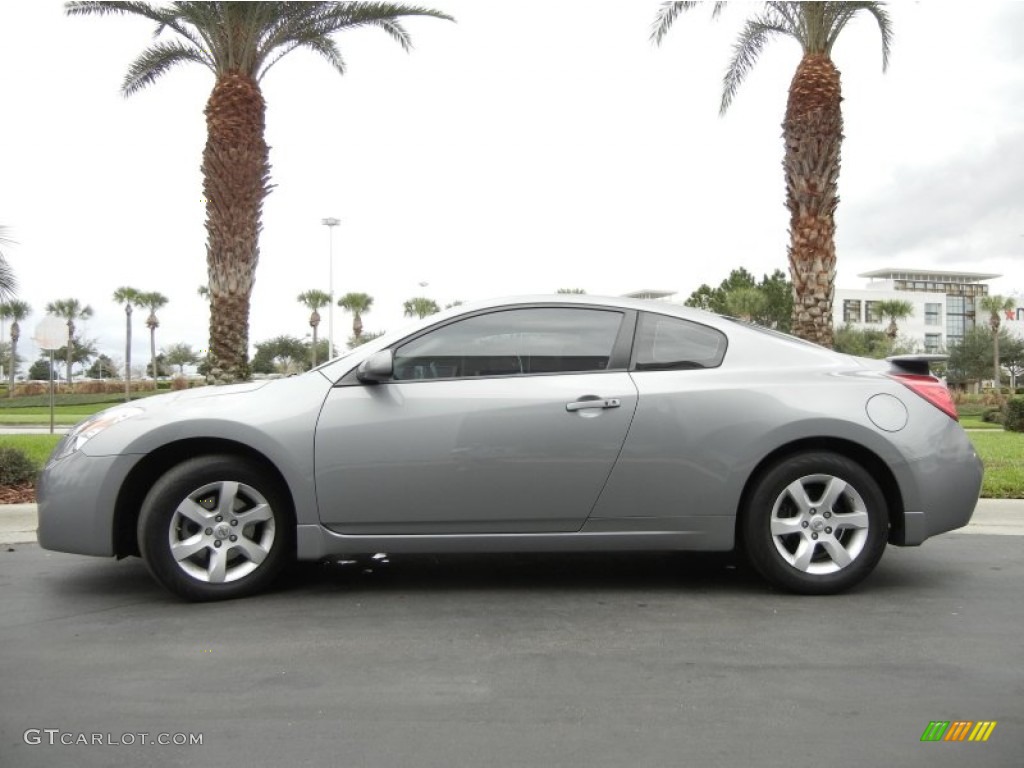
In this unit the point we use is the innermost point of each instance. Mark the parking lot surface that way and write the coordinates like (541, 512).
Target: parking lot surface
(620, 660)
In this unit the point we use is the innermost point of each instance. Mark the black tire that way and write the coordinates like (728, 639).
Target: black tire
(246, 537)
(815, 523)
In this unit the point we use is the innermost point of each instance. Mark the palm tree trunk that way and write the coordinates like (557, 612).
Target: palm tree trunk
(15, 335)
(71, 334)
(813, 134)
(128, 353)
(995, 363)
(314, 345)
(152, 351)
(236, 172)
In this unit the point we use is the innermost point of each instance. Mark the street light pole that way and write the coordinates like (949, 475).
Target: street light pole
(330, 223)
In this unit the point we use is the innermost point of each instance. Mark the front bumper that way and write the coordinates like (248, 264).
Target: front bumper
(76, 498)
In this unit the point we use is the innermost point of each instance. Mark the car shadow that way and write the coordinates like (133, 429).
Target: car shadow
(574, 571)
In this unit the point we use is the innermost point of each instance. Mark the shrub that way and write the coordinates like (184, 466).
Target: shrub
(16, 468)
(994, 416)
(178, 383)
(1015, 415)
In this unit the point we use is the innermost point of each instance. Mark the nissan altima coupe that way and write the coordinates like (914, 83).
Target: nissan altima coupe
(547, 424)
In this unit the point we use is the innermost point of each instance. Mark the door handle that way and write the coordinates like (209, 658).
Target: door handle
(579, 405)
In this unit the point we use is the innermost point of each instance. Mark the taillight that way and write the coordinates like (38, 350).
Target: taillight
(931, 389)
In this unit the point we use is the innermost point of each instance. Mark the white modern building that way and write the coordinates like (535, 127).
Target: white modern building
(945, 304)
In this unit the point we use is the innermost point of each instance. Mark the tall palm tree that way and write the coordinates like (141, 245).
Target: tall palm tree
(70, 310)
(812, 132)
(152, 301)
(128, 296)
(314, 299)
(894, 310)
(358, 304)
(996, 306)
(420, 307)
(16, 311)
(239, 43)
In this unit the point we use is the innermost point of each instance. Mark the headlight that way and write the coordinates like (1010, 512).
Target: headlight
(88, 429)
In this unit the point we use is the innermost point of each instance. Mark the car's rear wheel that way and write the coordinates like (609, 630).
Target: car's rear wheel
(815, 523)
(216, 527)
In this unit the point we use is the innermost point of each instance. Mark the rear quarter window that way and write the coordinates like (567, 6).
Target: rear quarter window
(665, 343)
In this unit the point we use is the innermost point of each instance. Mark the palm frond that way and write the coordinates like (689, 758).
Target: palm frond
(8, 282)
(843, 12)
(666, 16)
(157, 60)
(752, 40)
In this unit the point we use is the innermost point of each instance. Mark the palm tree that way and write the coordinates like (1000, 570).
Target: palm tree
(152, 301)
(128, 296)
(812, 133)
(70, 310)
(420, 307)
(894, 310)
(314, 299)
(8, 283)
(17, 311)
(239, 43)
(996, 306)
(358, 304)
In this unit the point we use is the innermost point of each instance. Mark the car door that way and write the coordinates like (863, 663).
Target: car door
(504, 421)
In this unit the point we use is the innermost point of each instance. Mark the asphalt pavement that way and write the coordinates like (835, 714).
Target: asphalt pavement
(539, 661)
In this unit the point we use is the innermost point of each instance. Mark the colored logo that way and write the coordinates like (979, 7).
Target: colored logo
(958, 730)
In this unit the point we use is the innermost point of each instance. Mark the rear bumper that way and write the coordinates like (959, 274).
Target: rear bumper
(949, 483)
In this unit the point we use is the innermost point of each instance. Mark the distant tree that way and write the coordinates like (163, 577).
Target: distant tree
(180, 354)
(970, 360)
(571, 290)
(358, 304)
(996, 306)
(70, 310)
(420, 307)
(894, 310)
(746, 303)
(153, 301)
(15, 311)
(452, 304)
(81, 352)
(1012, 356)
(39, 370)
(103, 368)
(357, 341)
(130, 297)
(862, 342)
(314, 299)
(282, 354)
(773, 310)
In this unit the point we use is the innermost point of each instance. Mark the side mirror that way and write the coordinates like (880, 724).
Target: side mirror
(380, 366)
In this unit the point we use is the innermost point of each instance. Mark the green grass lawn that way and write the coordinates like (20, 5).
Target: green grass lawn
(38, 447)
(1003, 456)
(1001, 452)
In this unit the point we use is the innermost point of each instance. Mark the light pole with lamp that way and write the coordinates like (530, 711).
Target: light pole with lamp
(330, 223)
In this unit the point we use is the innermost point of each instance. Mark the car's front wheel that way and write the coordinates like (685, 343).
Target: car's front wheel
(815, 523)
(216, 527)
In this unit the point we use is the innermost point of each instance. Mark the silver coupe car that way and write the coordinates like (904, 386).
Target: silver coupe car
(545, 424)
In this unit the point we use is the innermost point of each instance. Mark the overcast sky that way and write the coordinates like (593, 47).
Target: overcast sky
(529, 147)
